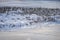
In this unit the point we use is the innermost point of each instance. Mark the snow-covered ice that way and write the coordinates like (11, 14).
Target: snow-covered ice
(14, 20)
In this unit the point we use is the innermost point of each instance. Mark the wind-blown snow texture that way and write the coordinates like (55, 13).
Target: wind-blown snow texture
(14, 20)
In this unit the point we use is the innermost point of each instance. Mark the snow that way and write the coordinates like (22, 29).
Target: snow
(14, 20)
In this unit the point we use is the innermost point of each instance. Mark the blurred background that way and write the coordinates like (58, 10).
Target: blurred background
(27, 0)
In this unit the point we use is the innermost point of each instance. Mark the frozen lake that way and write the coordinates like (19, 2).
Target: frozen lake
(16, 25)
(43, 33)
(43, 4)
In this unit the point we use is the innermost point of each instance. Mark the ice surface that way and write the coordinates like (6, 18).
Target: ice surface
(43, 4)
